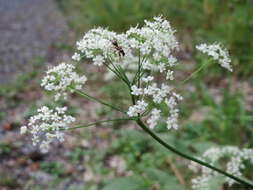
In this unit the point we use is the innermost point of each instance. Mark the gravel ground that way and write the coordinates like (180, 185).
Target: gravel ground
(28, 30)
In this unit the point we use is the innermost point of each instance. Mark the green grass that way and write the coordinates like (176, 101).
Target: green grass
(53, 168)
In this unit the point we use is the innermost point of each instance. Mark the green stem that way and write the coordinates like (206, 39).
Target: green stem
(172, 149)
(116, 73)
(137, 74)
(139, 68)
(195, 72)
(103, 121)
(97, 100)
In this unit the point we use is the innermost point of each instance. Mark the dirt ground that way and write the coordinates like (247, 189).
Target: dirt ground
(29, 29)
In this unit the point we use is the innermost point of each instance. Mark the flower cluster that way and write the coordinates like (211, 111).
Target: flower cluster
(46, 126)
(137, 109)
(155, 42)
(174, 112)
(236, 162)
(148, 52)
(60, 78)
(142, 57)
(155, 116)
(99, 45)
(218, 53)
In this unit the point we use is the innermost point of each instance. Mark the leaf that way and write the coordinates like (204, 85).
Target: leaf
(127, 183)
(157, 175)
(166, 181)
(203, 146)
(216, 182)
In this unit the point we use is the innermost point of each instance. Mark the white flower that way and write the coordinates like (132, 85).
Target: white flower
(76, 57)
(172, 61)
(155, 116)
(98, 60)
(156, 38)
(99, 42)
(138, 108)
(151, 89)
(169, 75)
(147, 79)
(161, 67)
(60, 78)
(173, 117)
(235, 159)
(23, 130)
(218, 53)
(136, 91)
(161, 93)
(47, 125)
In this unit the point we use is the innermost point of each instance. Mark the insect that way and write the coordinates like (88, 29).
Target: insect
(118, 48)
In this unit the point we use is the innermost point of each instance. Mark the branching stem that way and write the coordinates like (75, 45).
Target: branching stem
(195, 72)
(103, 121)
(97, 100)
(174, 150)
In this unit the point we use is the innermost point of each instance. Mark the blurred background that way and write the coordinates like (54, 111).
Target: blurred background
(217, 107)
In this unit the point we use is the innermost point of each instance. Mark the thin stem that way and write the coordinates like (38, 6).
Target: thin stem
(118, 73)
(124, 78)
(103, 121)
(140, 62)
(139, 68)
(124, 74)
(97, 100)
(195, 72)
(172, 149)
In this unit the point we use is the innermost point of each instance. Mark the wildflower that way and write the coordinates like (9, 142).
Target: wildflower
(218, 53)
(76, 57)
(147, 79)
(98, 60)
(161, 93)
(139, 108)
(155, 39)
(23, 130)
(60, 78)
(136, 91)
(169, 75)
(155, 116)
(173, 117)
(97, 44)
(46, 126)
(235, 163)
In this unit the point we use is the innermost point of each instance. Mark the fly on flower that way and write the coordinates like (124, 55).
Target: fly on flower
(118, 48)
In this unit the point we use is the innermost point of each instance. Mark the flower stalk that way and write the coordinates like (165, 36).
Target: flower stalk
(85, 95)
(103, 121)
(174, 150)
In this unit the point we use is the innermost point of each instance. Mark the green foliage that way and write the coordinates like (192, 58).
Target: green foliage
(5, 148)
(11, 90)
(2, 115)
(165, 181)
(127, 183)
(225, 119)
(7, 181)
(215, 183)
(54, 168)
(152, 178)
(76, 155)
